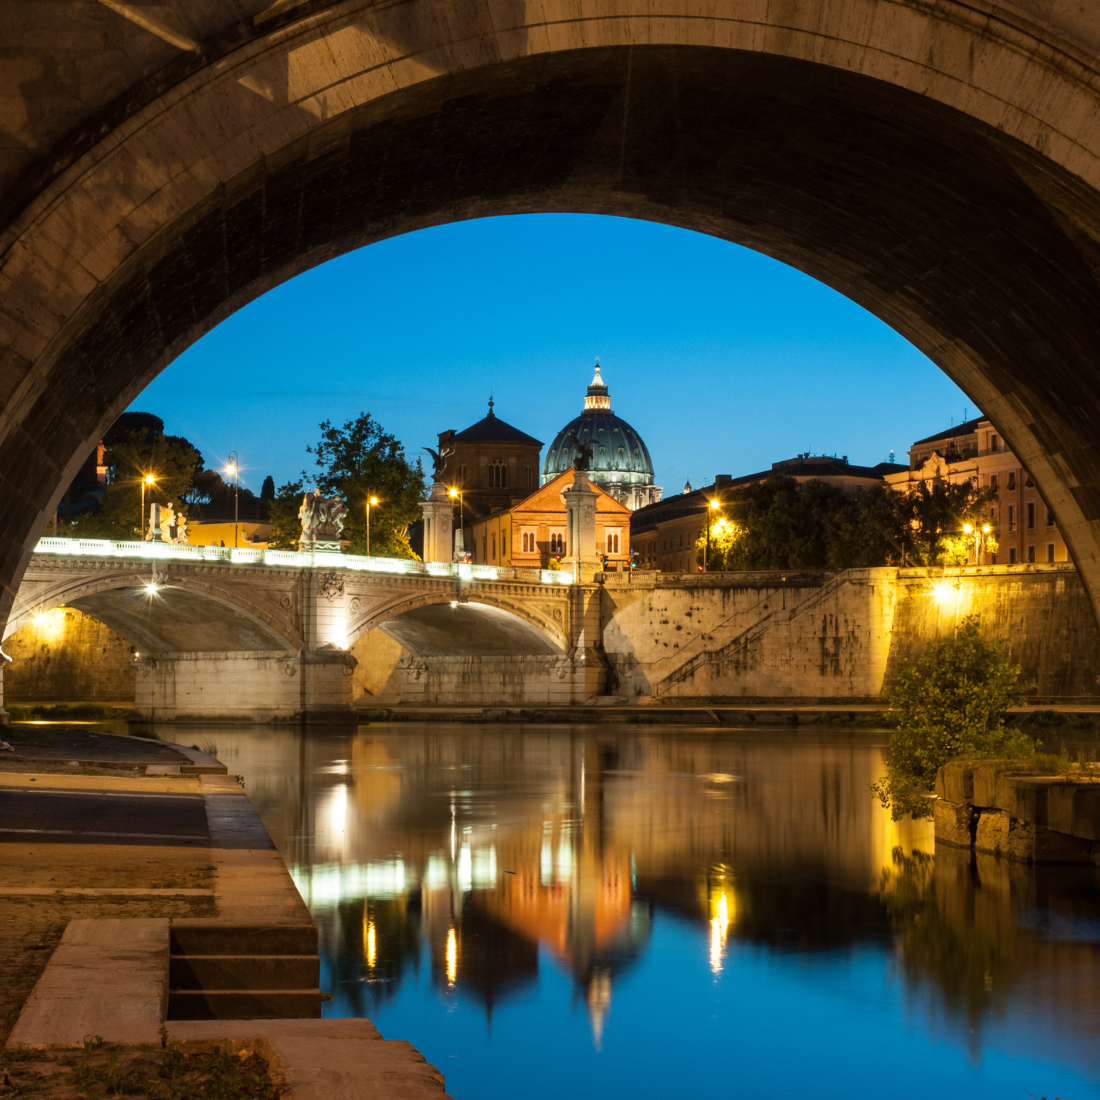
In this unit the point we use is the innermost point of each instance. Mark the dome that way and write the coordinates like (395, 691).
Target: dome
(619, 457)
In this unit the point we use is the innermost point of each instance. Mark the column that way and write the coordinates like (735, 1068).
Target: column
(439, 511)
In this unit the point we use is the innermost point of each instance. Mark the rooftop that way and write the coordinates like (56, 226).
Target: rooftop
(967, 427)
(491, 429)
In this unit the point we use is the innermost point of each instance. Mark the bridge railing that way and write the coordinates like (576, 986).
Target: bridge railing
(318, 559)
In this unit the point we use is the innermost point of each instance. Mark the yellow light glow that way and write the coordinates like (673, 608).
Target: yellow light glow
(452, 958)
(967, 529)
(372, 944)
(452, 493)
(986, 528)
(943, 593)
(150, 480)
(716, 504)
(374, 500)
(50, 625)
(719, 927)
(151, 588)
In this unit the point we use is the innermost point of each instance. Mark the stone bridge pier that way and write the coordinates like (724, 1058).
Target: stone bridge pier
(269, 636)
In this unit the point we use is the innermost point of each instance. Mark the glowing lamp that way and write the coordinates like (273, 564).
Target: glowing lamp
(986, 528)
(374, 500)
(967, 529)
(452, 493)
(716, 504)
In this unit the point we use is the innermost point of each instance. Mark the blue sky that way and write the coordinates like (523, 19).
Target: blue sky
(724, 360)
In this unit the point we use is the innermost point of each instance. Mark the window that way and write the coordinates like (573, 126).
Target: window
(494, 545)
(1031, 515)
(503, 545)
(994, 443)
(484, 548)
(1028, 482)
(1012, 479)
(993, 482)
(527, 540)
(1031, 553)
(1050, 551)
(528, 477)
(557, 542)
(1050, 518)
(498, 474)
(611, 541)
(462, 474)
(1012, 555)
(992, 559)
(1012, 517)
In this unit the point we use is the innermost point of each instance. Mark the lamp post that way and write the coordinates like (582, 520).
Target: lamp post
(148, 479)
(370, 501)
(234, 467)
(714, 506)
(979, 534)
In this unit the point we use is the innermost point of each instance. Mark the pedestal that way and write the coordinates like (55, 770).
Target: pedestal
(439, 517)
(580, 528)
(309, 546)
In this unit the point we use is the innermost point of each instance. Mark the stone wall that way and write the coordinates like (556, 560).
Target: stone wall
(67, 656)
(828, 638)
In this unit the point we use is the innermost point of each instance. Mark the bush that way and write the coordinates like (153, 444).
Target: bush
(950, 707)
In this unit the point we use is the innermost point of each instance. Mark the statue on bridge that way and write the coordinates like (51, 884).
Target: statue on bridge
(439, 461)
(583, 459)
(322, 522)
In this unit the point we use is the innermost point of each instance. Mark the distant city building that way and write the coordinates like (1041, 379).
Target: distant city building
(620, 463)
(974, 451)
(533, 530)
(664, 534)
(493, 464)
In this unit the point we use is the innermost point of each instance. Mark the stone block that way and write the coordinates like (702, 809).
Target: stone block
(992, 833)
(952, 822)
(1060, 808)
(958, 781)
(1024, 797)
(985, 783)
(107, 978)
(1086, 812)
(1051, 847)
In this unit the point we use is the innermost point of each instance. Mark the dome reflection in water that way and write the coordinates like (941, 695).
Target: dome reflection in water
(612, 911)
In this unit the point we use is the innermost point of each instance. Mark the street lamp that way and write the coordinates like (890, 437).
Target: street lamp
(234, 468)
(714, 506)
(980, 535)
(148, 479)
(370, 501)
(457, 493)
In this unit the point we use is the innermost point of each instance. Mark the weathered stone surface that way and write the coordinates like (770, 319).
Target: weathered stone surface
(958, 781)
(992, 833)
(107, 978)
(985, 783)
(952, 821)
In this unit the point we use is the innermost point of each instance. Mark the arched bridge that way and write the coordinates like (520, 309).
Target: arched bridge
(231, 632)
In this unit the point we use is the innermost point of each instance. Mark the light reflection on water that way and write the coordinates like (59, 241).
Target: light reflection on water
(608, 911)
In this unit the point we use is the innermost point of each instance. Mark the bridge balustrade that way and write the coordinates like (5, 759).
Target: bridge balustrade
(250, 555)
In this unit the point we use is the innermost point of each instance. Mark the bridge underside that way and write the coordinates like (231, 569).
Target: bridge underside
(935, 164)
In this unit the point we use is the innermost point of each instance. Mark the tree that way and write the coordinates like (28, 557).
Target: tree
(361, 460)
(286, 527)
(950, 706)
(267, 490)
(172, 460)
(929, 521)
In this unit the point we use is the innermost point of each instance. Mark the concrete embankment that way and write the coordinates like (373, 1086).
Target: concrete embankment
(209, 938)
(988, 806)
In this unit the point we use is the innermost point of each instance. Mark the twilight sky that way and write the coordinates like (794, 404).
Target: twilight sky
(724, 360)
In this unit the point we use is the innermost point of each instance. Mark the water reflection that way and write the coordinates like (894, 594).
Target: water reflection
(573, 889)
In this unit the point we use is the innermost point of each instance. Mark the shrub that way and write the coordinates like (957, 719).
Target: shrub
(950, 707)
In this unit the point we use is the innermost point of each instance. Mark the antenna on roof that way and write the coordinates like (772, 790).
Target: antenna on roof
(965, 411)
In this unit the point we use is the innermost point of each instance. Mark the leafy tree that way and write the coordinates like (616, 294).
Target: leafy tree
(267, 490)
(950, 706)
(172, 460)
(286, 527)
(361, 460)
(928, 521)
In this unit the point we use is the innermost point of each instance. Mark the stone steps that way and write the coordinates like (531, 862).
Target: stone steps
(223, 971)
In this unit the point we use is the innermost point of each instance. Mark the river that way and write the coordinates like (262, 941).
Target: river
(606, 911)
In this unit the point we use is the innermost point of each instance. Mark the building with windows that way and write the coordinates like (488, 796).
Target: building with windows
(664, 534)
(1024, 526)
(493, 465)
(620, 462)
(533, 530)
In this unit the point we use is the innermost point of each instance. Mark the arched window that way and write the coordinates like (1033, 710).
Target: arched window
(557, 544)
(498, 474)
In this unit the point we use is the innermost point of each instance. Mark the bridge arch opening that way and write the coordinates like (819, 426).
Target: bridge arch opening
(458, 652)
(956, 200)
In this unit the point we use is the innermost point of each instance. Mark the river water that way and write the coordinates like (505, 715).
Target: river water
(602, 911)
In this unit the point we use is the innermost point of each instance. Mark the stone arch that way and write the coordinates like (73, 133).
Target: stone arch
(939, 164)
(85, 592)
(377, 615)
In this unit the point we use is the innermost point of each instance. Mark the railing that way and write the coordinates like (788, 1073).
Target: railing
(249, 555)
